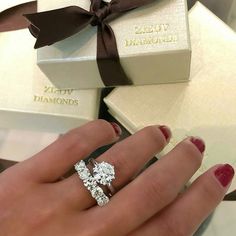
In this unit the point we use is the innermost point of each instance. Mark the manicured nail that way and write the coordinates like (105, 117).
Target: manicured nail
(166, 132)
(116, 128)
(225, 174)
(199, 143)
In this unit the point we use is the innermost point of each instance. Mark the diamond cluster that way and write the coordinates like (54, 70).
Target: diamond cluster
(91, 184)
(103, 173)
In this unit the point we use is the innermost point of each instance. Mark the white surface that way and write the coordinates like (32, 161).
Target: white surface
(6, 4)
(223, 221)
(18, 145)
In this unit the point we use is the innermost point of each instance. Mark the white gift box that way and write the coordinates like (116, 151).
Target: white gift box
(222, 221)
(153, 44)
(206, 106)
(28, 100)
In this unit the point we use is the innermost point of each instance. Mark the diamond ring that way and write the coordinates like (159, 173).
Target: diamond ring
(91, 184)
(104, 174)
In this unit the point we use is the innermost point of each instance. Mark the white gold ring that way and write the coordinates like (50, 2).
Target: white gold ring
(103, 174)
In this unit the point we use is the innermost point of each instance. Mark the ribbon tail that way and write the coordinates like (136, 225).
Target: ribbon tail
(111, 71)
(52, 26)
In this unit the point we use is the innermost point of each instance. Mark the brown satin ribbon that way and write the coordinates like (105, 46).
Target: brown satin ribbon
(52, 26)
(11, 19)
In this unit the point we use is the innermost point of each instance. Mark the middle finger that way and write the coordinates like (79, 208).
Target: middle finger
(153, 190)
(127, 157)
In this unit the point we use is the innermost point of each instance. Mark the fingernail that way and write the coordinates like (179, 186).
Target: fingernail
(199, 143)
(225, 174)
(117, 128)
(166, 132)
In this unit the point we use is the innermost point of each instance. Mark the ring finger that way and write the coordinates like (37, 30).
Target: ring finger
(127, 157)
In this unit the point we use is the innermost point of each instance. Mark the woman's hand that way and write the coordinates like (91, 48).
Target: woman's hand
(35, 201)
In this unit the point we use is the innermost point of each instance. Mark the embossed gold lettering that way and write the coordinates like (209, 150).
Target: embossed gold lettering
(56, 100)
(148, 29)
(150, 40)
(53, 90)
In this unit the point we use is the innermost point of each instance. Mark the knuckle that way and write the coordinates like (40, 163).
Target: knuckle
(105, 128)
(122, 163)
(159, 191)
(40, 216)
(81, 140)
(75, 196)
(153, 134)
(102, 123)
(80, 146)
(190, 154)
(77, 143)
(210, 192)
(171, 226)
(179, 230)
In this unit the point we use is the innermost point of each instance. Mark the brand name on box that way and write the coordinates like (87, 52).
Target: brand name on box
(148, 29)
(151, 35)
(56, 96)
(53, 90)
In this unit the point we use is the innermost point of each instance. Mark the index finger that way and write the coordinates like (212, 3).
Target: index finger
(153, 190)
(58, 158)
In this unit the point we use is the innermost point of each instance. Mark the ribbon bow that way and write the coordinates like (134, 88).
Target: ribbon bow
(52, 26)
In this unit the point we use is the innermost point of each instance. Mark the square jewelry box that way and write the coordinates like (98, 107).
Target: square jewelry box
(153, 44)
(28, 100)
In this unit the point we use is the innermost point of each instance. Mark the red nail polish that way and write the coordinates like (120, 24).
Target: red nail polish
(199, 143)
(225, 174)
(166, 131)
(116, 128)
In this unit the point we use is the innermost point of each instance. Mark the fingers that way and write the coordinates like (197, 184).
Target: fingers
(183, 217)
(154, 189)
(58, 158)
(127, 156)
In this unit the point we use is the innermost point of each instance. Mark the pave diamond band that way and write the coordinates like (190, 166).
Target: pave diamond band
(103, 174)
(91, 184)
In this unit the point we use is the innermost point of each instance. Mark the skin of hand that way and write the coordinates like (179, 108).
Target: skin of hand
(36, 201)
